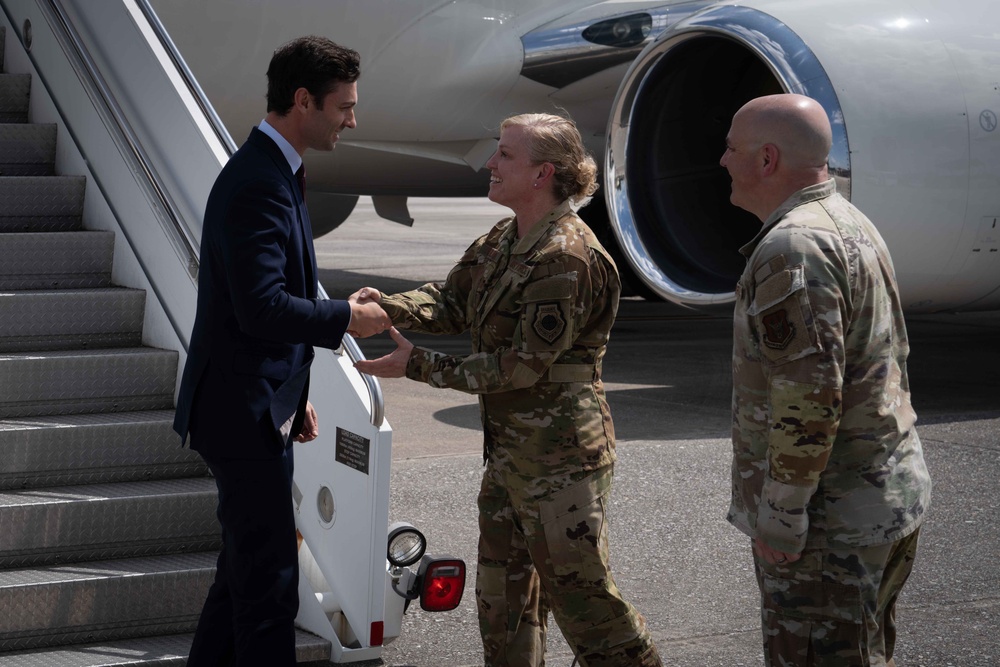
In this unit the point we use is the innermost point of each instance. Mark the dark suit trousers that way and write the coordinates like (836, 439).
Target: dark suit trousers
(248, 617)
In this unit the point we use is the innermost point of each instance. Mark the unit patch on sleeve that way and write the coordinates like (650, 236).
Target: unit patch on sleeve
(549, 323)
(778, 331)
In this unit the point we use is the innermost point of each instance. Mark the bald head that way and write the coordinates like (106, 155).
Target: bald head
(776, 146)
(796, 124)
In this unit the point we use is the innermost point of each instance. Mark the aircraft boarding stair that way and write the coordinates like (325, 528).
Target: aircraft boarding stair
(108, 536)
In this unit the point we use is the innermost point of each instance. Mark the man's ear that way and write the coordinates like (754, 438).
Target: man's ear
(769, 159)
(302, 98)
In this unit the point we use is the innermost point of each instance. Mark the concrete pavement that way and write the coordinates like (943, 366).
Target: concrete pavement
(673, 553)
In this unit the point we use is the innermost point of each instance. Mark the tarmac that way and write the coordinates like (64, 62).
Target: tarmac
(674, 556)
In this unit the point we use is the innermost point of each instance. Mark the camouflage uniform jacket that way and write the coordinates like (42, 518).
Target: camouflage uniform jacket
(825, 450)
(539, 310)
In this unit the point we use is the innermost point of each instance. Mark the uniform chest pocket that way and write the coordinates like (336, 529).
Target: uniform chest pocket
(783, 317)
(547, 313)
(477, 287)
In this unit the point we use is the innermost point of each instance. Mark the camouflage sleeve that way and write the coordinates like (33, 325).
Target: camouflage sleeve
(798, 314)
(553, 310)
(436, 308)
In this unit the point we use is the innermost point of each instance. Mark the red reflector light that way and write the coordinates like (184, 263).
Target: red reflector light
(442, 584)
(378, 630)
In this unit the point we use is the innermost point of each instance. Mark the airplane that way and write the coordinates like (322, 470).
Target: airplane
(911, 88)
(108, 158)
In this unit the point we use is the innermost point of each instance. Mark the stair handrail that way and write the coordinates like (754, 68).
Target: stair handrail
(200, 98)
(107, 107)
(130, 146)
(349, 345)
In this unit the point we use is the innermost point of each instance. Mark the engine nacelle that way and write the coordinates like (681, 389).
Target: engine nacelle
(913, 99)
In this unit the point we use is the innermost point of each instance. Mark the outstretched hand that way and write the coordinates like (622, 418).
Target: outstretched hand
(392, 365)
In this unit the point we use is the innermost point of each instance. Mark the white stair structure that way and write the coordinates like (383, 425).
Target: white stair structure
(108, 535)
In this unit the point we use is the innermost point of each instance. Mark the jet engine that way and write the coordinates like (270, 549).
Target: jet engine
(912, 94)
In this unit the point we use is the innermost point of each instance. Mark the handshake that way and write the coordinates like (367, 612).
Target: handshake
(367, 316)
(368, 319)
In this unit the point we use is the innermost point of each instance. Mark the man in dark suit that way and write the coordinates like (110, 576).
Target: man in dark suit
(243, 396)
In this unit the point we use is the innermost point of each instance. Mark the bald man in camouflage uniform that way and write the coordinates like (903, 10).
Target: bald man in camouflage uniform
(539, 309)
(829, 478)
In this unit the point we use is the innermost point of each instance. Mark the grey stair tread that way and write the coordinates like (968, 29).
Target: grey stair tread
(90, 492)
(65, 421)
(41, 260)
(165, 651)
(107, 569)
(71, 318)
(57, 196)
(93, 448)
(103, 600)
(27, 149)
(14, 93)
(107, 521)
(79, 381)
(32, 224)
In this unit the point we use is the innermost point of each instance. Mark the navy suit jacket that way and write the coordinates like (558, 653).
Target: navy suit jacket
(258, 317)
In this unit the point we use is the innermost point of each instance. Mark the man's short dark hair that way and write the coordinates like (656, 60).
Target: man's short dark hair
(314, 63)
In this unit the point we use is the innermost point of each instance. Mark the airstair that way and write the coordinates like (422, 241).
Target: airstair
(107, 526)
(108, 535)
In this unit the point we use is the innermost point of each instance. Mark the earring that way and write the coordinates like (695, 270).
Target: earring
(536, 185)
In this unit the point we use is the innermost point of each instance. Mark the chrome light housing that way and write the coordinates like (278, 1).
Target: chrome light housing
(406, 544)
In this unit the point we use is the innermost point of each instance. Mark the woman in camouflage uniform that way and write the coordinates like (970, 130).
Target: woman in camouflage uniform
(538, 294)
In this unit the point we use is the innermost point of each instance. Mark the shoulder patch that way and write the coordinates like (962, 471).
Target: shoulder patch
(549, 323)
(778, 331)
(783, 317)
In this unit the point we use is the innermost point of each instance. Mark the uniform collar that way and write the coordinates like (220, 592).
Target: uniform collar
(804, 196)
(528, 241)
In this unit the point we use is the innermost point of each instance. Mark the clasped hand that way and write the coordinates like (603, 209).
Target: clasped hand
(392, 365)
(367, 316)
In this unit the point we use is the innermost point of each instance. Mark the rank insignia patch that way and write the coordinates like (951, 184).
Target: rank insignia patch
(778, 331)
(549, 323)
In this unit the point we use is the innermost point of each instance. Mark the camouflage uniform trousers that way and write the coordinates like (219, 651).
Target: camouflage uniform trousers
(834, 607)
(543, 545)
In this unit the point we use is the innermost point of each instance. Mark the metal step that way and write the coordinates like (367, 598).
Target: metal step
(57, 260)
(14, 92)
(103, 600)
(71, 319)
(93, 449)
(107, 521)
(75, 382)
(170, 651)
(41, 203)
(27, 149)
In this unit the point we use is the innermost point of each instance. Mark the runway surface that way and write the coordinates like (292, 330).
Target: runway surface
(667, 372)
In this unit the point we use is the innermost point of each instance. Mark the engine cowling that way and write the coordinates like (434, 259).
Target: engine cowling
(668, 197)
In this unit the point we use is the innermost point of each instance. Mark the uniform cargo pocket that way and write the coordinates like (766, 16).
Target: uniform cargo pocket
(813, 622)
(817, 600)
(575, 529)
